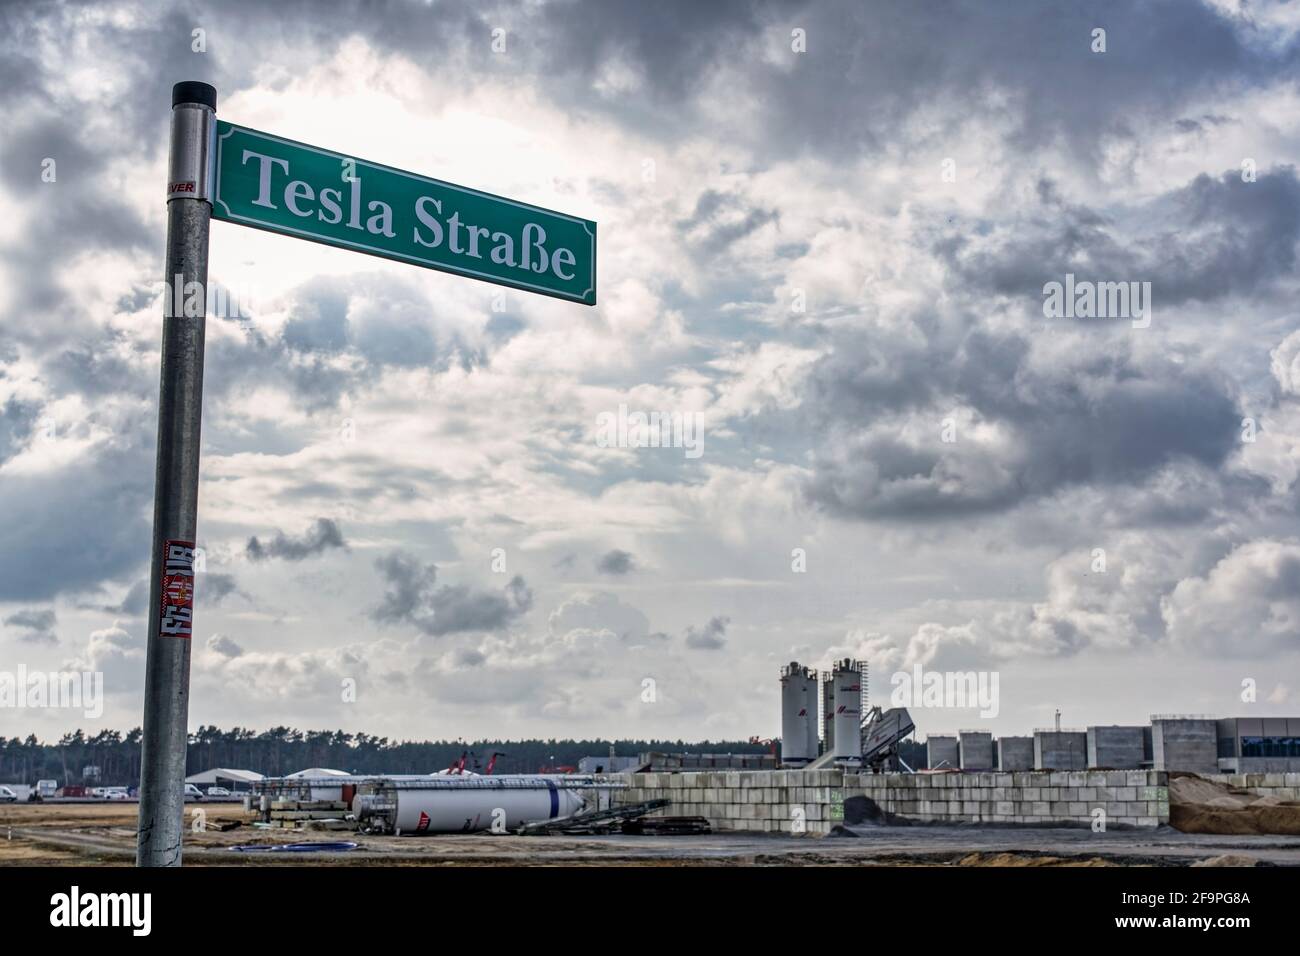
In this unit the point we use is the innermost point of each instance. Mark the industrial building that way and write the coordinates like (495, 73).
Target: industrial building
(942, 751)
(819, 713)
(233, 780)
(1258, 744)
(1057, 749)
(1015, 753)
(1114, 747)
(1185, 743)
(975, 749)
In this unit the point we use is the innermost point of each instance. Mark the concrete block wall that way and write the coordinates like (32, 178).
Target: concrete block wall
(1015, 753)
(1130, 798)
(1284, 786)
(1116, 747)
(1185, 743)
(975, 747)
(1060, 750)
(763, 801)
(813, 802)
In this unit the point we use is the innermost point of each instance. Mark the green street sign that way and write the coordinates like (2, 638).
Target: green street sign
(276, 184)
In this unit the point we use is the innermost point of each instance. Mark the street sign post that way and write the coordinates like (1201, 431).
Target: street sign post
(217, 170)
(176, 480)
(276, 184)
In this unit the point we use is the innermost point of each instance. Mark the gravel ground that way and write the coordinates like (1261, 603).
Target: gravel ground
(104, 834)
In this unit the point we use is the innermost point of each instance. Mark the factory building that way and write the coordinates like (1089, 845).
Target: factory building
(1057, 749)
(942, 752)
(1015, 753)
(1115, 747)
(1258, 744)
(1180, 742)
(975, 749)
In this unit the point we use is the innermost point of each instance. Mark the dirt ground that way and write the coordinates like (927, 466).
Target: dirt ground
(104, 835)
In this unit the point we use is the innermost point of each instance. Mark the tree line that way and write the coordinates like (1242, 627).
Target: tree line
(283, 750)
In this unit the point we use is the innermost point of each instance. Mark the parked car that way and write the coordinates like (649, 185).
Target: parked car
(7, 795)
(98, 791)
(115, 793)
(218, 792)
(192, 792)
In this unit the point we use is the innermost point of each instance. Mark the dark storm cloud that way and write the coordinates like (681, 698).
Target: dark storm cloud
(36, 626)
(1103, 420)
(75, 213)
(959, 55)
(98, 369)
(720, 219)
(615, 562)
(215, 588)
(711, 637)
(32, 619)
(1214, 237)
(134, 602)
(903, 57)
(324, 535)
(17, 419)
(413, 597)
(66, 531)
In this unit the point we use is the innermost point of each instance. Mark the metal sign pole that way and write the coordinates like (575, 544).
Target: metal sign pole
(176, 483)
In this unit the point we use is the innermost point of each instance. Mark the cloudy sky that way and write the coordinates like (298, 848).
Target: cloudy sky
(825, 231)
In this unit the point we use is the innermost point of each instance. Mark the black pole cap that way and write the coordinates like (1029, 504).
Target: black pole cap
(192, 91)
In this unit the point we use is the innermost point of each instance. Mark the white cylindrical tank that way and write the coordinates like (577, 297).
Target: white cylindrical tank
(813, 725)
(846, 684)
(826, 704)
(798, 715)
(502, 805)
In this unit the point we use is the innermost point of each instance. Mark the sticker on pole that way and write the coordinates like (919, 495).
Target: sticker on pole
(178, 590)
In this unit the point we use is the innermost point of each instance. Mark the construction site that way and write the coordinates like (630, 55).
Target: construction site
(836, 790)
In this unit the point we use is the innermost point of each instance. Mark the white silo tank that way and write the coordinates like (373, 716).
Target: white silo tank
(826, 710)
(846, 685)
(812, 702)
(798, 715)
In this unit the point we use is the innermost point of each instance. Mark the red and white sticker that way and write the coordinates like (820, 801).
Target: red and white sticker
(178, 590)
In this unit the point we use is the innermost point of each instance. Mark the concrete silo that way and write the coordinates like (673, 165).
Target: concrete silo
(798, 715)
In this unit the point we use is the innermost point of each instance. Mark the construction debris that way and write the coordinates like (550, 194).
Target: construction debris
(596, 821)
(309, 815)
(667, 826)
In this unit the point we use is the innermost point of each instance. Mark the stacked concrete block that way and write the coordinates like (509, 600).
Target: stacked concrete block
(975, 749)
(813, 802)
(1060, 750)
(1185, 743)
(1283, 786)
(1115, 747)
(787, 801)
(1123, 799)
(1015, 753)
(942, 751)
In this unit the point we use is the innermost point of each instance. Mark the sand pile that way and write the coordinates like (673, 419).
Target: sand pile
(1201, 806)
